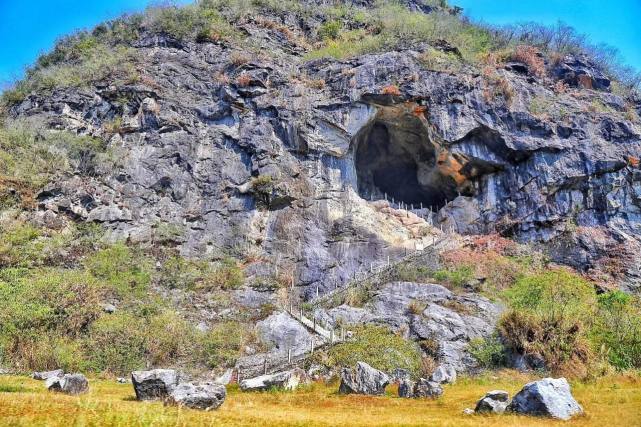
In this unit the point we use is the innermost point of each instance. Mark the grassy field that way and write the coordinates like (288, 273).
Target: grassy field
(613, 401)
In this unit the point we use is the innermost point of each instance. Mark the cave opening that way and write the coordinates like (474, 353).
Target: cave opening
(396, 159)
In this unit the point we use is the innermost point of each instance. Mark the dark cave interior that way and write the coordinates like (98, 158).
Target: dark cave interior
(398, 160)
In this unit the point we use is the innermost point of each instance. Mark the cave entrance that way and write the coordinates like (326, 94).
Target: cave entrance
(394, 157)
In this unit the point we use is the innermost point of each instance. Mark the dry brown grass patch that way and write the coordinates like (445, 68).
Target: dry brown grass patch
(530, 56)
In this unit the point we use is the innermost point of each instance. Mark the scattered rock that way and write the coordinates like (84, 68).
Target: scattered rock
(363, 380)
(205, 396)
(68, 384)
(406, 388)
(494, 401)
(288, 380)
(109, 308)
(444, 374)
(45, 375)
(154, 384)
(122, 380)
(547, 397)
(468, 411)
(426, 388)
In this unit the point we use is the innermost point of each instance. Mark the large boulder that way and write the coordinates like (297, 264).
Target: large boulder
(68, 384)
(426, 388)
(547, 397)
(154, 384)
(444, 374)
(45, 375)
(363, 380)
(205, 396)
(494, 401)
(288, 380)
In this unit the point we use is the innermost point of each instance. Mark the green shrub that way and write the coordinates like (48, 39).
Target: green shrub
(223, 344)
(489, 352)
(617, 329)
(122, 342)
(32, 155)
(549, 318)
(377, 346)
(42, 312)
(122, 269)
(226, 274)
(117, 343)
(329, 30)
(554, 294)
(457, 277)
(102, 62)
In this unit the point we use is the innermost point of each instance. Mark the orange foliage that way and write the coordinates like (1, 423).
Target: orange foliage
(391, 90)
(530, 55)
(419, 110)
(243, 80)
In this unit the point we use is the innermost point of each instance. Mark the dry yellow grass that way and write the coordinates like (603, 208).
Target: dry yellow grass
(613, 401)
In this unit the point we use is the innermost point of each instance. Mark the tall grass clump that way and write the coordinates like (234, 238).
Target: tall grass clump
(557, 317)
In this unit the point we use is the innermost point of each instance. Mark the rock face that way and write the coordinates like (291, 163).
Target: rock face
(45, 375)
(154, 384)
(288, 380)
(282, 333)
(494, 401)
(444, 374)
(363, 379)
(548, 397)
(191, 150)
(197, 396)
(68, 384)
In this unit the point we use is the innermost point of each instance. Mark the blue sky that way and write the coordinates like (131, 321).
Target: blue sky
(30, 27)
(615, 22)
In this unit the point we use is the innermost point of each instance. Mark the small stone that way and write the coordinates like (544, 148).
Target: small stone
(468, 411)
(109, 308)
(494, 401)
